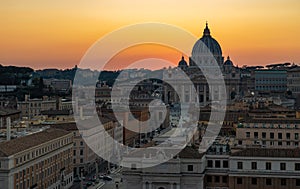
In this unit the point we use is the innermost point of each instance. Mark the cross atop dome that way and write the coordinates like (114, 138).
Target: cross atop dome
(206, 31)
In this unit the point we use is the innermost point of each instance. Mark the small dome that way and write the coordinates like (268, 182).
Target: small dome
(182, 62)
(228, 62)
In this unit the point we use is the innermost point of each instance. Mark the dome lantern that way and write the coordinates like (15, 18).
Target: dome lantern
(206, 31)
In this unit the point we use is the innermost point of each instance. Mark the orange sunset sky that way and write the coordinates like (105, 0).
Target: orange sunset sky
(56, 34)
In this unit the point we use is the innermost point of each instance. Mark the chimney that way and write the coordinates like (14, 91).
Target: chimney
(8, 124)
(27, 97)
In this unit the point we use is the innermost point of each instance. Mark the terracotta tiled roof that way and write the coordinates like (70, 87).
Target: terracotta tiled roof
(17, 145)
(190, 153)
(267, 152)
(83, 124)
(5, 111)
(186, 153)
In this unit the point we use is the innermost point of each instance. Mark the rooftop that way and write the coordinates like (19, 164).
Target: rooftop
(84, 124)
(6, 111)
(21, 144)
(265, 152)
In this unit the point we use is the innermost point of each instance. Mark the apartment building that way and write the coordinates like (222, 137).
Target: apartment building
(184, 171)
(270, 80)
(5, 113)
(217, 167)
(221, 167)
(293, 80)
(85, 154)
(265, 169)
(39, 160)
(269, 132)
(33, 107)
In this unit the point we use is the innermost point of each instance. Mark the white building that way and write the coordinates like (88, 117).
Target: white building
(185, 171)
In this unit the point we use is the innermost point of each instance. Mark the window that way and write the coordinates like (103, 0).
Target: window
(248, 134)
(239, 180)
(217, 179)
(279, 135)
(209, 163)
(268, 181)
(209, 178)
(263, 135)
(296, 136)
(190, 168)
(268, 166)
(282, 166)
(224, 179)
(240, 165)
(225, 164)
(272, 135)
(74, 152)
(81, 152)
(297, 182)
(254, 165)
(81, 143)
(279, 143)
(297, 166)
(288, 135)
(217, 164)
(81, 160)
(254, 181)
(255, 134)
(133, 166)
(283, 182)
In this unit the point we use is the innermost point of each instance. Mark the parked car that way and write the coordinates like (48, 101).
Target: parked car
(89, 184)
(101, 176)
(77, 179)
(107, 178)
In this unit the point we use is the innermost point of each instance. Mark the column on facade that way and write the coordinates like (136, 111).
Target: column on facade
(166, 95)
(220, 90)
(182, 93)
(212, 92)
(191, 94)
(198, 92)
(204, 94)
(174, 93)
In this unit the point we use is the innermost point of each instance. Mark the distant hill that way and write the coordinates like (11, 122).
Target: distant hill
(13, 75)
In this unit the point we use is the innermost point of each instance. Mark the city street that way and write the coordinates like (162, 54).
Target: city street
(115, 183)
(116, 176)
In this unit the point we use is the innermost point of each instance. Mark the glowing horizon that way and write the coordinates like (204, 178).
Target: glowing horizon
(54, 34)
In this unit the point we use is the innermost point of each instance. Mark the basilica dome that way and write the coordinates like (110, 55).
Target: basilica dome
(207, 44)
